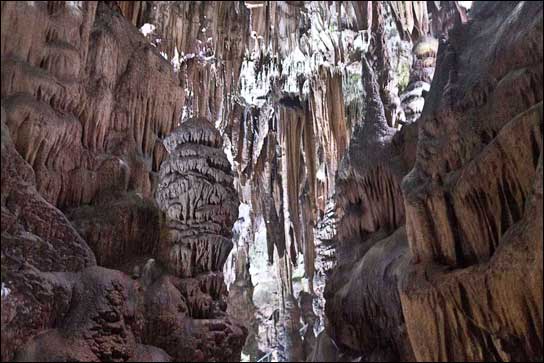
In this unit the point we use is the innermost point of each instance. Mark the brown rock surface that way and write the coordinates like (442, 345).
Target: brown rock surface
(103, 323)
(363, 303)
(462, 281)
(37, 239)
(87, 100)
(76, 58)
(79, 58)
(121, 228)
(432, 214)
(154, 315)
(474, 198)
(197, 195)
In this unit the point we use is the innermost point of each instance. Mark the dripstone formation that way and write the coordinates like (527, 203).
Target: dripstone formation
(440, 253)
(383, 161)
(197, 194)
(100, 314)
(86, 105)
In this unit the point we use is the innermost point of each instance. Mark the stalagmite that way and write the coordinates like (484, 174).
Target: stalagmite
(197, 195)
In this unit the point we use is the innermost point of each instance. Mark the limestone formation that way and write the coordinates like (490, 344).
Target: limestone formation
(474, 197)
(101, 314)
(37, 240)
(387, 157)
(87, 99)
(421, 75)
(86, 102)
(363, 304)
(196, 193)
(441, 288)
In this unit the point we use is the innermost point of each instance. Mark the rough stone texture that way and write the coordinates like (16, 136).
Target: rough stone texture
(196, 193)
(123, 229)
(413, 97)
(462, 280)
(187, 318)
(242, 307)
(293, 124)
(79, 58)
(448, 266)
(37, 239)
(107, 315)
(75, 59)
(206, 41)
(86, 102)
(112, 317)
(474, 198)
(364, 313)
(102, 324)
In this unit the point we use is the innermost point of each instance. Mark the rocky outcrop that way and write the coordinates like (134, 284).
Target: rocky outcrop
(364, 313)
(37, 239)
(420, 205)
(205, 41)
(197, 195)
(413, 97)
(300, 100)
(474, 198)
(123, 229)
(77, 59)
(86, 102)
(441, 287)
(145, 312)
(104, 323)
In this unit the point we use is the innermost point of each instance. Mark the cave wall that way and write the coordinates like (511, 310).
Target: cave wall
(87, 103)
(440, 247)
(484, 193)
(101, 167)
(77, 59)
(416, 203)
